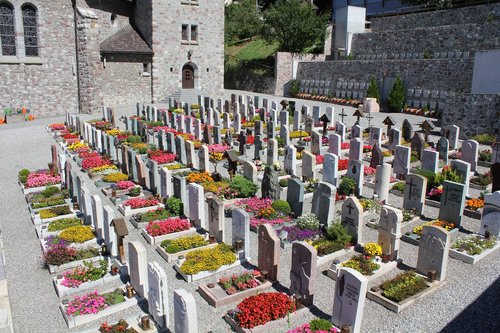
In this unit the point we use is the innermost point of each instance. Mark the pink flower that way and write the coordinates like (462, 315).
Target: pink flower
(168, 226)
(42, 178)
(125, 184)
(141, 202)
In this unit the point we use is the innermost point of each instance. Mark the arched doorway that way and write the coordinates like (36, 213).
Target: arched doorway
(187, 77)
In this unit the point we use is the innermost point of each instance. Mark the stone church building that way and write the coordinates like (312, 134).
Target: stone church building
(80, 55)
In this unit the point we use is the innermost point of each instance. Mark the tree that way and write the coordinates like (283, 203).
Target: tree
(373, 90)
(241, 21)
(294, 25)
(396, 98)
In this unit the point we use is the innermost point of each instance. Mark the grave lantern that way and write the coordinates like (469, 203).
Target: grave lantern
(121, 231)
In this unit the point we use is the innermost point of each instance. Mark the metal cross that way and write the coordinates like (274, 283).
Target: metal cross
(369, 117)
(342, 114)
(410, 184)
(350, 207)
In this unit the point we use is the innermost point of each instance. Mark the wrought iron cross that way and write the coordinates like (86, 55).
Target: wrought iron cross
(342, 114)
(369, 117)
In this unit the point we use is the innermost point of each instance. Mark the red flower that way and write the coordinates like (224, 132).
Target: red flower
(262, 308)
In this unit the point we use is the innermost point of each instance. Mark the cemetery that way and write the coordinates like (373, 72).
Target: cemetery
(220, 210)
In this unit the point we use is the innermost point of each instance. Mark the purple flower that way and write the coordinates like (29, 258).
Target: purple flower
(297, 234)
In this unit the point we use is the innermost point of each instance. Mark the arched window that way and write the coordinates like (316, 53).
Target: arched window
(30, 30)
(7, 30)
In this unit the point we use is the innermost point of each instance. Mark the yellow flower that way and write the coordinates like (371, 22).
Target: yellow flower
(373, 249)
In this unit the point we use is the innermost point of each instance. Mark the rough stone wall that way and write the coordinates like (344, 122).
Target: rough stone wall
(440, 74)
(458, 37)
(171, 54)
(245, 80)
(103, 10)
(474, 14)
(46, 84)
(123, 83)
(473, 113)
(284, 68)
(143, 19)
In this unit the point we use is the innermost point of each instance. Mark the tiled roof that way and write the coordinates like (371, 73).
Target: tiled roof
(126, 40)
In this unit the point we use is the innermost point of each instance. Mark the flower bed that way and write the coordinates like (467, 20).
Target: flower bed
(316, 326)
(403, 290)
(47, 215)
(92, 306)
(139, 205)
(77, 236)
(121, 327)
(37, 181)
(142, 220)
(473, 248)
(158, 231)
(413, 237)
(161, 157)
(172, 250)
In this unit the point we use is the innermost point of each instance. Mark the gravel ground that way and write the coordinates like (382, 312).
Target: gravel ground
(468, 300)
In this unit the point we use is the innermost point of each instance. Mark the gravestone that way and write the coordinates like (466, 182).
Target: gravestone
(137, 265)
(433, 251)
(270, 184)
(389, 231)
(154, 177)
(316, 113)
(443, 149)
(417, 145)
(355, 170)
(257, 147)
(295, 196)
(495, 158)
(180, 191)
(356, 150)
(171, 145)
(131, 157)
(258, 127)
(269, 251)
(216, 133)
(495, 173)
(297, 119)
(394, 138)
(158, 295)
(303, 271)
(242, 140)
(309, 125)
(375, 136)
(97, 215)
(334, 144)
(241, 233)
(323, 203)
(330, 169)
(430, 159)
(452, 133)
(349, 299)
(308, 165)
(249, 171)
(490, 218)
(470, 151)
(166, 186)
(216, 218)
(382, 181)
(340, 129)
(357, 132)
(54, 162)
(452, 203)
(414, 193)
(284, 120)
(285, 134)
(315, 143)
(141, 170)
(196, 209)
(109, 232)
(180, 148)
(377, 157)
(401, 161)
(272, 151)
(290, 163)
(203, 159)
(352, 218)
(185, 316)
(407, 130)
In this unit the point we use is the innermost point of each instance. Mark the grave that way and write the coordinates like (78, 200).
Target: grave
(303, 272)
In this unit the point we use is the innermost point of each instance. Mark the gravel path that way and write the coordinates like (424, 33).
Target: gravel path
(468, 300)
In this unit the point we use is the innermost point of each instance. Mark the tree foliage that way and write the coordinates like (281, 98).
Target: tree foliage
(294, 25)
(241, 21)
(396, 98)
(373, 89)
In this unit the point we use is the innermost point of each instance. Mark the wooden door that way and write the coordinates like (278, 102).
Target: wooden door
(187, 77)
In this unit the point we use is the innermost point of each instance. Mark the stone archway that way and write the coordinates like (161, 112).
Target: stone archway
(187, 77)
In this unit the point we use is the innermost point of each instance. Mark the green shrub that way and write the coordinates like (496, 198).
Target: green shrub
(47, 202)
(373, 89)
(400, 186)
(175, 205)
(396, 98)
(50, 191)
(62, 224)
(23, 175)
(281, 142)
(284, 182)
(282, 206)
(245, 188)
(308, 222)
(338, 233)
(347, 186)
(324, 246)
(114, 297)
(183, 243)
(294, 88)
(485, 138)
(403, 286)
(134, 139)
(320, 325)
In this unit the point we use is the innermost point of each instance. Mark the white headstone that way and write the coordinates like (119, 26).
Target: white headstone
(196, 195)
(490, 219)
(382, 181)
(158, 294)
(137, 263)
(241, 231)
(330, 169)
(433, 251)
(185, 316)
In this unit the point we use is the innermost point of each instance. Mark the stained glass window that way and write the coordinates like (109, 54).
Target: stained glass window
(30, 30)
(7, 30)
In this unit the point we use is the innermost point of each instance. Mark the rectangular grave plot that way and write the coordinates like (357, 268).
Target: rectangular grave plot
(472, 259)
(217, 296)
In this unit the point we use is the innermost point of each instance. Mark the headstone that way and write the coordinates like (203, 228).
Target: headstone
(171, 145)
(272, 151)
(417, 145)
(180, 148)
(316, 143)
(191, 160)
(495, 158)
(352, 218)
(204, 159)
(470, 151)
(249, 171)
(158, 294)
(349, 299)
(414, 194)
(258, 127)
(241, 232)
(242, 140)
(303, 271)
(308, 165)
(389, 231)
(377, 157)
(285, 134)
(356, 150)
(340, 129)
(402, 161)
(334, 144)
(490, 218)
(394, 138)
(269, 251)
(382, 181)
(323, 203)
(166, 186)
(407, 130)
(443, 149)
(309, 125)
(196, 195)
(433, 251)
(54, 161)
(355, 170)
(137, 264)
(154, 177)
(185, 316)
(270, 184)
(452, 203)
(141, 170)
(180, 191)
(430, 159)
(257, 147)
(295, 196)
(297, 119)
(357, 132)
(109, 232)
(375, 136)
(97, 215)
(216, 217)
(330, 169)
(216, 135)
(452, 133)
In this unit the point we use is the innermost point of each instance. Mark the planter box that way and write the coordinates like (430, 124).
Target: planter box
(63, 291)
(473, 214)
(217, 296)
(89, 243)
(35, 218)
(70, 265)
(74, 321)
(472, 259)
(101, 183)
(204, 274)
(375, 225)
(432, 203)
(397, 307)
(127, 211)
(414, 239)
(34, 210)
(158, 239)
(383, 269)
(267, 327)
(133, 322)
(171, 257)
(478, 187)
(396, 193)
(36, 189)
(324, 259)
(484, 164)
